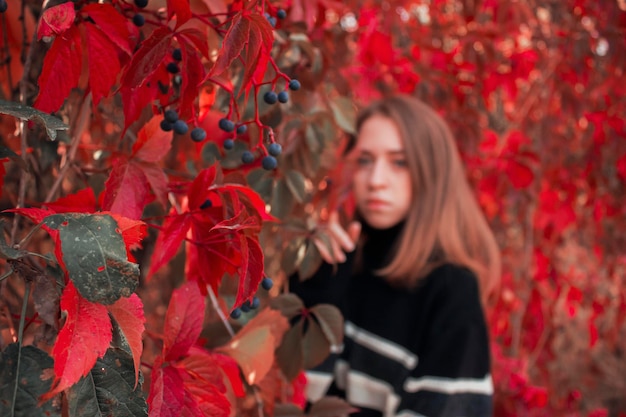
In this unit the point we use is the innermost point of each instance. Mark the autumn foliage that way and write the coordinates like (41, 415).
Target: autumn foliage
(134, 250)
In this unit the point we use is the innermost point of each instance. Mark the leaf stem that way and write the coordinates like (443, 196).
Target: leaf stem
(219, 311)
(5, 276)
(20, 335)
(28, 236)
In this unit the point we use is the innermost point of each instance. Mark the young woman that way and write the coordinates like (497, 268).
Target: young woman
(414, 270)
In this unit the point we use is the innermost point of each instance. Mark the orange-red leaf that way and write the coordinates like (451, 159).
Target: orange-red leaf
(183, 320)
(61, 70)
(128, 314)
(56, 20)
(84, 338)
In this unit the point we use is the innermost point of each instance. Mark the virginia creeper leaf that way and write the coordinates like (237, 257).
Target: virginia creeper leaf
(128, 316)
(331, 322)
(156, 179)
(152, 142)
(251, 273)
(254, 352)
(56, 19)
(167, 395)
(520, 175)
(195, 73)
(201, 365)
(168, 242)
(95, 256)
(148, 58)
(113, 24)
(181, 9)
(84, 338)
(108, 390)
(331, 407)
(82, 201)
(296, 182)
(46, 299)
(315, 346)
(231, 370)
(183, 320)
(234, 41)
(33, 380)
(103, 62)
(61, 70)
(289, 355)
(126, 190)
(52, 124)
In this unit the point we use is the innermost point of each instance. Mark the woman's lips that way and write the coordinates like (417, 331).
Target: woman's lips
(375, 204)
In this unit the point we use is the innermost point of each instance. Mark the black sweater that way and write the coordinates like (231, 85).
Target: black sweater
(418, 352)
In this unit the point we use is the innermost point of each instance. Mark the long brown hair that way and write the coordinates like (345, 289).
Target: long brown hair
(446, 224)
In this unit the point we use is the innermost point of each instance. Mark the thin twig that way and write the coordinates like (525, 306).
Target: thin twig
(219, 311)
(20, 335)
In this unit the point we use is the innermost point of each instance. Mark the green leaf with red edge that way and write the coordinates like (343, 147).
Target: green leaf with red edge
(94, 256)
(152, 142)
(183, 320)
(128, 316)
(151, 54)
(82, 201)
(167, 393)
(251, 270)
(113, 24)
(84, 338)
(127, 190)
(103, 62)
(168, 242)
(61, 71)
(181, 9)
(56, 19)
(233, 44)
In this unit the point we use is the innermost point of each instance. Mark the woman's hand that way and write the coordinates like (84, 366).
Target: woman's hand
(339, 240)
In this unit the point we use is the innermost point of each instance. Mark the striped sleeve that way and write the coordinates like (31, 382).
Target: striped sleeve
(453, 376)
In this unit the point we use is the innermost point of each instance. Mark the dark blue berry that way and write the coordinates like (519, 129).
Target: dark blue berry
(245, 307)
(256, 302)
(241, 129)
(229, 144)
(177, 54)
(269, 163)
(172, 68)
(274, 149)
(236, 313)
(267, 283)
(281, 14)
(198, 134)
(226, 125)
(283, 96)
(141, 3)
(294, 85)
(207, 203)
(170, 115)
(270, 97)
(272, 20)
(139, 20)
(166, 126)
(247, 157)
(180, 127)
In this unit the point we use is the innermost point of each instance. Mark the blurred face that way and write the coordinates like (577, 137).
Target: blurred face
(381, 182)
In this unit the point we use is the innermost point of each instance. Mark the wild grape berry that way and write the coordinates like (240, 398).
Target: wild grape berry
(247, 157)
(180, 127)
(294, 85)
(269, 163)
(281, 14)
(3, 6)
(172, 68)
(177, 54)
(141, 3)
(267, 283)
(283, 96)
(274, 149)
(236, 313)
(272, 20)
(170, 115)
(207, 203)
(139, 20)
(256, 302)
(166, 126)
(245, 307)
(229, 144)
(241, 129)
(198, 134)
(226, 125)
(270, 97)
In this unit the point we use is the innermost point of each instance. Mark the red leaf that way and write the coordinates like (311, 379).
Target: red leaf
(135, 100)
(181, 9)
(202, 366)
(620, 165)
(157, 180)
(198, 191)
(183, 320)
(133, 231)
(56, 20)
(84, 338)
(251, 271)
(209, 400)
(152, 52)
(168, 242)
(115, 25)
(152, 142)
(197, 38)
(194, 75)
(167, 394)
(104, 63)
(234, 41)
(255, 200)
(128, 313)
(126, 190)
(520, 175)
(231, 370)
(61, 70)
(259, 47)
(82, 201)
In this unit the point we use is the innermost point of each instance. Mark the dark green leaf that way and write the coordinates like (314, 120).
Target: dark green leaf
(261, 182)
(315, 346)
(290, 255)
(50, 123)
(344, 113)
(297, 184)
(282, 199)
(33, 382)
(310, 262)
(331, 321)
(108, 389)
(95, 256)
(210, 153)
(287, 410)
(289, 354)
(288, 304)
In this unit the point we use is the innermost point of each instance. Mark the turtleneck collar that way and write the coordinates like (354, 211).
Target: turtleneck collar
(379, 244)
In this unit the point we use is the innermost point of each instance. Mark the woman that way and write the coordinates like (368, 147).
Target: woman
(412, 283)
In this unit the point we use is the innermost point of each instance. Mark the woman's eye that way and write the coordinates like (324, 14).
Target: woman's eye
(400, 163)
(363, 161)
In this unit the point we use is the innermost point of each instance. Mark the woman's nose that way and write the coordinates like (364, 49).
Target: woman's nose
(379, 174)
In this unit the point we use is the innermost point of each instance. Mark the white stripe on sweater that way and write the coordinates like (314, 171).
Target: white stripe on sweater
(450, 385)
(381, 346)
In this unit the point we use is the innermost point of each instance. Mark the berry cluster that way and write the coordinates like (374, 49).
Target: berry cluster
(138, 19)
(271, 97)
(266, 284)
(172, 122)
